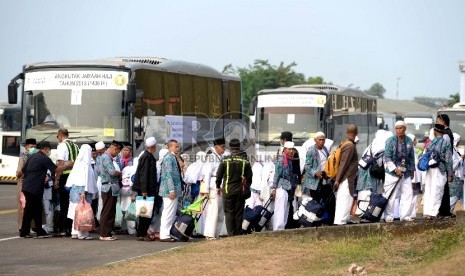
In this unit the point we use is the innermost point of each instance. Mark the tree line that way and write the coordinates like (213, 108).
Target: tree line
(263, 75)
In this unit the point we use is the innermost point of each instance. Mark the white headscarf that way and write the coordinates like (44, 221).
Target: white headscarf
(82, 173)
(194, 171)
(456, 138)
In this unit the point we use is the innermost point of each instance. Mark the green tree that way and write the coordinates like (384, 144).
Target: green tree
(453, 99)
(263, 75)
(377, 90)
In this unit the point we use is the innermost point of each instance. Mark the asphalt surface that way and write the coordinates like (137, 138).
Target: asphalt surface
(56, 256)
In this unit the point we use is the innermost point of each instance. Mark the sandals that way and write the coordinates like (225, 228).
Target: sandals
(107, 238)
(85, 238)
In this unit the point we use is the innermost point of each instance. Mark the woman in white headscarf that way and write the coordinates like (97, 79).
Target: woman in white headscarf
(83, 184)
(456, 186)
(193, 174)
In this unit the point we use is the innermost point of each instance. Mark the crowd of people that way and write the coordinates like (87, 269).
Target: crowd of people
(110, 179)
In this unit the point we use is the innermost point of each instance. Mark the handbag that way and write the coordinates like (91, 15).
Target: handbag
(144, 206)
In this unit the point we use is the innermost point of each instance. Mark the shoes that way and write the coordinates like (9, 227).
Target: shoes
(168, 240)
(85, 238)
(389, 220)
(108, 238)
(26, 236)
(430, 218)
(43, 235)
(408, 219)
(74, 237)
(210, 238)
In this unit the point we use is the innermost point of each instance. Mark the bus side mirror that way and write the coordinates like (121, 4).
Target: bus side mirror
(13, 93)
(327, 110)
(131, 93)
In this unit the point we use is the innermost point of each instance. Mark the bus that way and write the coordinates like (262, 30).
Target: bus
(10, 122)
(128, 99)
(306, 109)
(9, 155)
(456, 115)
(419, 124)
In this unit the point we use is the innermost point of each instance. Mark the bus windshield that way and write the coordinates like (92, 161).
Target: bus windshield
(271, 121)
(93, 115)
(419, 127)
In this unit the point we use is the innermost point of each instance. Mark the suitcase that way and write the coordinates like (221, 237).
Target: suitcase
(256, 218)
(376, 205)
(310, 213)
(184, 225)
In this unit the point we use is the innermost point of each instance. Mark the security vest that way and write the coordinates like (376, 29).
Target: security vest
(73, 151)
(233, 181)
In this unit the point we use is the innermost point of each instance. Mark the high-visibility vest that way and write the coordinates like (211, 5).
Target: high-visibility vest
(73, 151)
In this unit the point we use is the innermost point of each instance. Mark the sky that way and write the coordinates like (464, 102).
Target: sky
(416, 44)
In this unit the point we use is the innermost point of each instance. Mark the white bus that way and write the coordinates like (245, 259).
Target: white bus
(457, 122)
(9, 155)
(127, 99)
(419, 124)
(306, 109)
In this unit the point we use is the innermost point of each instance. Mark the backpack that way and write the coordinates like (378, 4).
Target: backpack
(332, 164)
(376, 170)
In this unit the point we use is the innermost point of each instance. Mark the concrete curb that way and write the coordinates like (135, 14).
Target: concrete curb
(370, 229)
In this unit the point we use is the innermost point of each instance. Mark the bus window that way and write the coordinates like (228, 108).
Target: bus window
(10, 145)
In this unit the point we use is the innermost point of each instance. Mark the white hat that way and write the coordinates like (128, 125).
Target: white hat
(150, 142)
(356, 139)
(289, 145)
(319, 134)
(400, 123)
(99, 145)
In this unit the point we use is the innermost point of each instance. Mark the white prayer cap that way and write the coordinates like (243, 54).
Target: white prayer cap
(150, 142)
(289, 145)
(99, 145)
(411, 136)
(356, 139)
(319, 134)
(400, 123)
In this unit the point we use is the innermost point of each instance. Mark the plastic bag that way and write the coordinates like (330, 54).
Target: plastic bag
(118, 215)
(144, 206)
(84, 217)
(131, 212)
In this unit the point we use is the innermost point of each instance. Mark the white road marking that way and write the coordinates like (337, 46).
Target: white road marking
(128, 259)
(11, 238)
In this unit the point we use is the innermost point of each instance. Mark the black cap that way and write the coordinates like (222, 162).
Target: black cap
(439, 128)
(286, 135)
(445, 118)
(219, 141)
(235, 143)
(44, 144)
(92, 146)
(117, 144)
(31, 141)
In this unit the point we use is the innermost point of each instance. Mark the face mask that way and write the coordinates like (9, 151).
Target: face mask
(32, 151)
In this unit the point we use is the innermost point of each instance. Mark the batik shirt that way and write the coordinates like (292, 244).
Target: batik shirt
(170, 177)
(105, 168)
(283, 175)
(442, 147)
(397, 151)
(313, 164)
